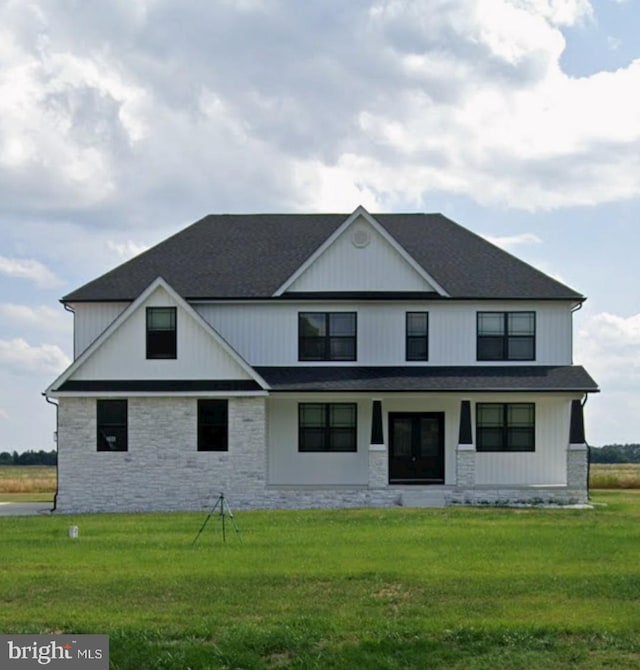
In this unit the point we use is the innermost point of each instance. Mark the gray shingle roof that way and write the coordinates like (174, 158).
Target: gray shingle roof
(252, 255)
(429, 378)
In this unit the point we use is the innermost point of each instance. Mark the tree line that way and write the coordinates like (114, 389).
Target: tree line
(615, 453)
(29, 458)
(610, 453)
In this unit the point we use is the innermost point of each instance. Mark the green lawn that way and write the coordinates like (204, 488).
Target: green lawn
(397, 588)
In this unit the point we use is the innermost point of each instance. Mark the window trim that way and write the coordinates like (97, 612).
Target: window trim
(174, 352)
(326, 428)
(506, 447)
(327, 337)
(100, 425)
(200, 425)
(408, 337)
(505, 335)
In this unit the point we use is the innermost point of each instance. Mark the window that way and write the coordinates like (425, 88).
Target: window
(505, 427)
(111, 425)
(213, 425)
(327, 427)
(161, 332)
(327, 336)
(506, 336)
(417, 347)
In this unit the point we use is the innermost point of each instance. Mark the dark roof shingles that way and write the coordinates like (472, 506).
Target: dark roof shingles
(252, 255)
(429, 378)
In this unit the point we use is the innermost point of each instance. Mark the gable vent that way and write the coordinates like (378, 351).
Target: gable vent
(360, 237)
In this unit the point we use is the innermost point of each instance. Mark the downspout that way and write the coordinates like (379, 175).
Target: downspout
(55, 496)
(72, 311)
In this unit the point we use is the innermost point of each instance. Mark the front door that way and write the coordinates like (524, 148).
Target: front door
(416, 448)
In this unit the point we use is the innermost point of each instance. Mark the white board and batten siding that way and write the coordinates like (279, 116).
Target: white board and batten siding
(547, 465)
(267, 333)
(123, 354)
(90, 319)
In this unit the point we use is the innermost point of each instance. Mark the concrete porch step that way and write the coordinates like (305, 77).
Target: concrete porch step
(423, 497)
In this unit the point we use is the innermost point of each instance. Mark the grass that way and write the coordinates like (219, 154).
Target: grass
(615, 476)
(395, 588)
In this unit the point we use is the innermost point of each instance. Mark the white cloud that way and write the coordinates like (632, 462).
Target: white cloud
(41, 317)
(19, 356)
(127, 249)
(27, 268)
(608, 345)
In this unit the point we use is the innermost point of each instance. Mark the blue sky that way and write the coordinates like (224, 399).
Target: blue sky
(120, 123)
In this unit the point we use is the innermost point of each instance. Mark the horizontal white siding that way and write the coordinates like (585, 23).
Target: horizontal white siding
(267, 333)
(91, 319)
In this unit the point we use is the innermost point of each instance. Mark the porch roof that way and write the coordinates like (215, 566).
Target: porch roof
(567, 378)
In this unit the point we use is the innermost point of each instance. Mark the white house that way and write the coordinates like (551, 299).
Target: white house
(321, 361)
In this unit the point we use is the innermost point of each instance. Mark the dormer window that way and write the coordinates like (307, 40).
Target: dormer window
(161, 332)
(327, 336)
(506, 336)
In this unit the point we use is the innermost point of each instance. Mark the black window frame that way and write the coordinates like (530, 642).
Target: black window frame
(422, 338)
(507, 431)
(323, 343)
(162, 343)
(205, 425)
(504, 339)
(106, 429)
(325, 432)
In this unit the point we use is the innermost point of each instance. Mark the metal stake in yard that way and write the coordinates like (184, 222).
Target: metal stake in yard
(223, 511)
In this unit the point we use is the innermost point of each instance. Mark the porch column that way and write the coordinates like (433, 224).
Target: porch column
(577, 454)
(466, 451)
(378, 457)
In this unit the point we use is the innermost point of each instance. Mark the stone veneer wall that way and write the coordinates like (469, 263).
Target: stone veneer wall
(162, 469)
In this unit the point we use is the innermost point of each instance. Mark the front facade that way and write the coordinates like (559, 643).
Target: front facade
(321, 361)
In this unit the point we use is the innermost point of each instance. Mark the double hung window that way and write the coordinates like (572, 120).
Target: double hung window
(327, 336)
(213, 425)
(161, 332)
(111, 423)
(506, 336)
(417, 344)
(327, 427)
(505, 426)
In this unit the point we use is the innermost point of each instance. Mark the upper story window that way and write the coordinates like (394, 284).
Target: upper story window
(161, 332)
(111, 423)
(213, 425)
(327, 336)
(506, 336)
(505, 426)
(417, 344)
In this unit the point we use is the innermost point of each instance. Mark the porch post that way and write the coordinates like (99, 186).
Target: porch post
(466, 451)
(577, 455)
(378, 457)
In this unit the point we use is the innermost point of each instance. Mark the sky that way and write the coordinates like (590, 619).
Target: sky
(122, 122)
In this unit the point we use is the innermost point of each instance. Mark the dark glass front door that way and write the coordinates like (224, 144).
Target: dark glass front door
(416, 448)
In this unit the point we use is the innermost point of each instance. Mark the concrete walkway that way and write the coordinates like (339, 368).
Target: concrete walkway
(24, 509)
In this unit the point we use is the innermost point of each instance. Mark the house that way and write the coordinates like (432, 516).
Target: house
(321, 360)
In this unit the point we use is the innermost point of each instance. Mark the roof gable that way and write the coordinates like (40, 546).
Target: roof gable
(360, 256)
(119, 352)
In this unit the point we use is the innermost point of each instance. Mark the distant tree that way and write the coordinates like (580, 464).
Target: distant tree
(6, 458)
(615, 453)
(34, 458)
